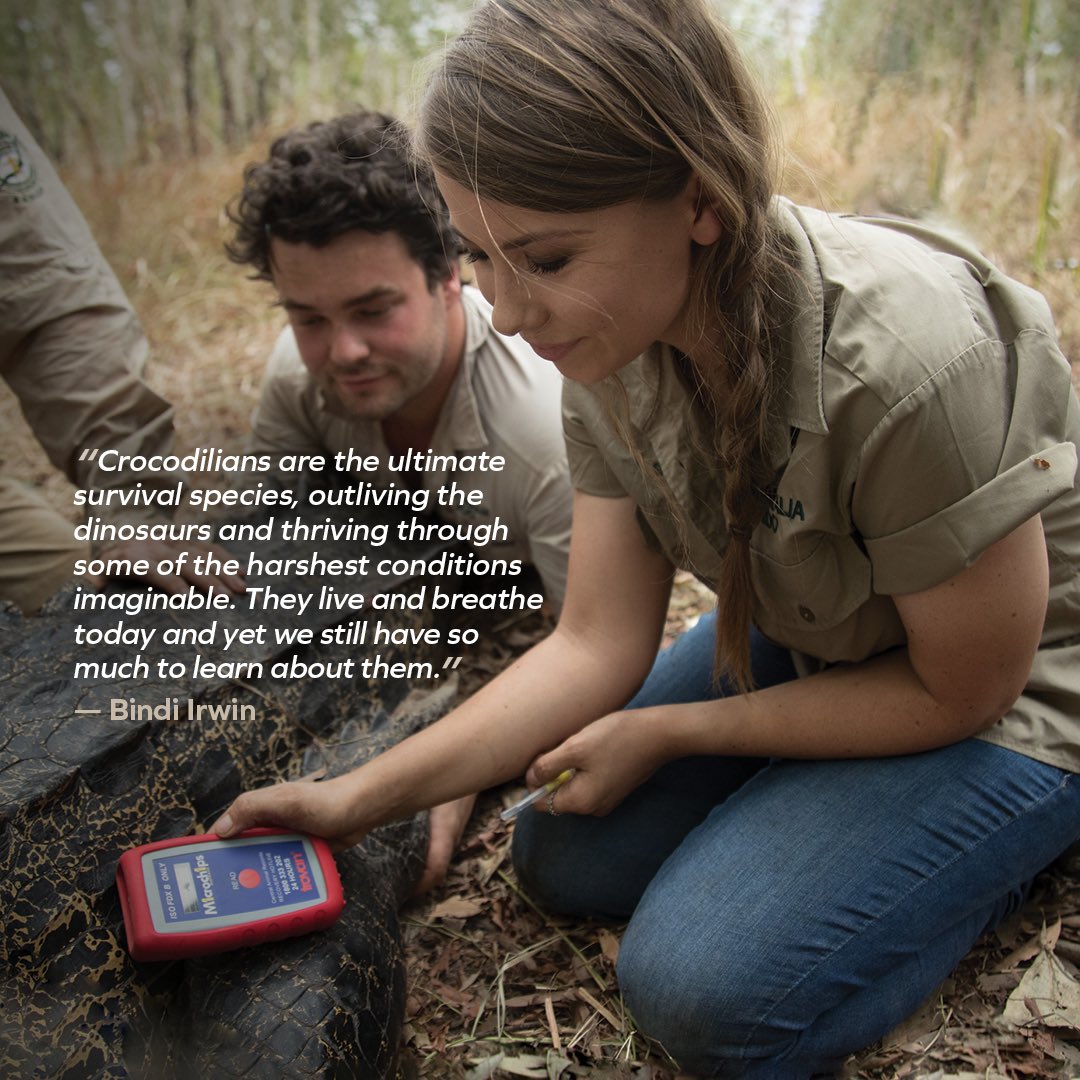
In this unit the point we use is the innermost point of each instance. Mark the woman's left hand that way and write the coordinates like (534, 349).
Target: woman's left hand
(610, 757)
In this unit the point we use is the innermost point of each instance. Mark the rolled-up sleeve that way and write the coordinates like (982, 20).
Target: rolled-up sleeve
(964, 460)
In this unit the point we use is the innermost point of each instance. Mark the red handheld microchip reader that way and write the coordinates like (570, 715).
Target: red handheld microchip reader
(193, 895)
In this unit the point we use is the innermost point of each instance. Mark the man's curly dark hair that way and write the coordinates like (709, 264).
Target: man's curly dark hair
(328, 178)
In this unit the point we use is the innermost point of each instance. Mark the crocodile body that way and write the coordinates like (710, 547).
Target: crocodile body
(77, 788)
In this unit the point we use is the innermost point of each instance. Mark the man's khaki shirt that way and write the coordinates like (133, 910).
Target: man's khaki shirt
(71, 347)
(927, 412)
(503, 400)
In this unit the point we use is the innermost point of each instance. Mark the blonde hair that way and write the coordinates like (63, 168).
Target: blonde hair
(569, 106)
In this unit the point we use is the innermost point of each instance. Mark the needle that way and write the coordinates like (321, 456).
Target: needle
(512, 812)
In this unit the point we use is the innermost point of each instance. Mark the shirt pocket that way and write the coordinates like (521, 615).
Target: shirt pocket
(820, 603)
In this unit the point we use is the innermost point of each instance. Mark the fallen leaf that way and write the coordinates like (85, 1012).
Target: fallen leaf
(528, 1065)
(1022, 954)
(998, 982)
(485, 1068)
(1052, 991)
(609, 945)
(1070, 1055)
(1050, 935)
(921, 1028)
(990, 1074)
(457, 907)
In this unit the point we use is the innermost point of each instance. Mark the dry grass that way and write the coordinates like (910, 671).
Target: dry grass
(489, 974)
(991, 184)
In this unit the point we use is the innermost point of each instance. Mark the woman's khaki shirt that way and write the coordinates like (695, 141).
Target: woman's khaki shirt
(927, 411)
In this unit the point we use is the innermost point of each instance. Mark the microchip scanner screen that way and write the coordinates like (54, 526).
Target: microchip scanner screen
(207, 885)
(185, 880)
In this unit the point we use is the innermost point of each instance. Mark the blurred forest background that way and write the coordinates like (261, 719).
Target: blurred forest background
(964, 111)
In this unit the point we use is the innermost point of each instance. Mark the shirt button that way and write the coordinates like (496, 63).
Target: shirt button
(806, 613)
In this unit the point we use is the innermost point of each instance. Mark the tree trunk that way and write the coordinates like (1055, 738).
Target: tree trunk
(793, 48)
(221, 64)
(973, 52)
(1076, 106)
(1028, 54)
(191, 86)
(311, 33)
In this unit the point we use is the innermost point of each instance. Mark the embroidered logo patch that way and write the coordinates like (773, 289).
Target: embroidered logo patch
(792, 510)
(18, 177)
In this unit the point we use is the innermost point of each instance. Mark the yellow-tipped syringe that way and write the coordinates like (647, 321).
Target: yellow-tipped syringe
(512, 812)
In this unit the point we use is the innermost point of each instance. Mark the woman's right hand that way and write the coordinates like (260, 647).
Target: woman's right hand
(610, 757)
(322, 808)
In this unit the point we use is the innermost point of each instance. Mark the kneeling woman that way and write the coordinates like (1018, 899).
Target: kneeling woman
(864, 438)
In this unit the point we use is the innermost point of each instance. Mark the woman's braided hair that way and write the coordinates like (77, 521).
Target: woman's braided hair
(558, 105)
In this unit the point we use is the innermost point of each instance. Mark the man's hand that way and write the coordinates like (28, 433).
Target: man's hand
(446, 826)
(210, 577)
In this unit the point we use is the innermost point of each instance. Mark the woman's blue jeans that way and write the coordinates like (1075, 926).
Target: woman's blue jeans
(784, 914)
